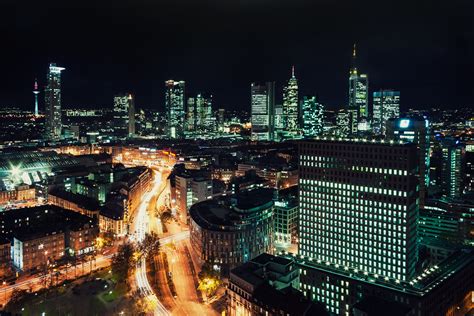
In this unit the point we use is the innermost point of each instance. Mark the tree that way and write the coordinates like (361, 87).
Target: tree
(123, 261)
(150, 244)
(166, 216)
(209, 279)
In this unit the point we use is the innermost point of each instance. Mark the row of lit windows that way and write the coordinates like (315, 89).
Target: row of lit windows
(360, 188)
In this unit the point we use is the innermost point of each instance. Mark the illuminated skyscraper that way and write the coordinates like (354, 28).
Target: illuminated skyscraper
(386, 106)
(263, 112)
(451, 171)
(124, 115)
(359, 206)
(415, 130)
(358, 96)
(290, 104)
(191, 115)
(204, 119)
(36, 92)
(343, 123)
(52, 95)
(175, 110)
(313, 116)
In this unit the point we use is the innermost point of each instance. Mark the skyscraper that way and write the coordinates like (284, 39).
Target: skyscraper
(415, 130)
(204, 118)
(36, 92)
(262, 106)
(124, 115)
(290, 104)
(52, 95)
(175, 110)
(191, 115)
(359, 205)
(313, 116)
(343, 122)
(451, 172)
(386, 106)
(358, 96)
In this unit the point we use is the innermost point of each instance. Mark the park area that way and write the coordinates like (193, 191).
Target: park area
(96, 294)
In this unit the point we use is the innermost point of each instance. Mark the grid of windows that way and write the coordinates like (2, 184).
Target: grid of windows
(358, 206)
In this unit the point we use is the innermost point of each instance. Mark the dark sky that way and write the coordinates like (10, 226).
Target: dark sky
(423, 48)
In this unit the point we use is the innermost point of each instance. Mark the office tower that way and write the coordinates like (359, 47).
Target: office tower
(290, 104)
(36, 92)
(313, 116)
(191, 115)
(358, 96)
(359, 205)
(263, 104)
(415, 130)
(52, 96)
(204, 118)
(124, 115)
(220, 119)
(451, 170)
(343, 122)
(469, 168)
(386, 106)
(175, 111)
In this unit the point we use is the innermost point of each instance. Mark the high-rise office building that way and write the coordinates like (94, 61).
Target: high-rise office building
(343, 122)
(175, 110)
(313, 116)
(386, 105)
(415, 130)
(204, 118)
(191, 115)
(290, 104)
(451, 171)
(36, 92)
(124, 115)
(358, 104)
(220, 120)
(262, 106)
(359, 205)
(52, 95)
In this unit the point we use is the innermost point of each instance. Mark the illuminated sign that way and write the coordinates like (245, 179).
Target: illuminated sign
(404, 123)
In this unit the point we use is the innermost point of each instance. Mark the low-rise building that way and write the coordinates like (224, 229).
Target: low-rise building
(229, 231)
(74, 202)
(267, 285)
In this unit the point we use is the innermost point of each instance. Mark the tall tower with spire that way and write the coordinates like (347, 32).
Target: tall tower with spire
(358, 104)
(36, 92)
(290, 104)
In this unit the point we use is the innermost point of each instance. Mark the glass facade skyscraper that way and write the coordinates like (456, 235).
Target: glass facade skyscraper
(52, 95)
(175, 110)
(415, 130)
(386, 105)
(313, 116)
(124, 115)
(290, 105)
(343, 123)
(359, 205)
(263, 107)
(451, 172)
(358, 104)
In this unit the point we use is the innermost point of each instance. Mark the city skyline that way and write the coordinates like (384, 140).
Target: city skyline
(321, 54)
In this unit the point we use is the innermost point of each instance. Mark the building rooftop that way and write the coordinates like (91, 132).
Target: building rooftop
(228, 213)
(420, 285)
(79, 199)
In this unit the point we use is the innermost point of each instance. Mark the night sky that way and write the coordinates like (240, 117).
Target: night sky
(425, 49)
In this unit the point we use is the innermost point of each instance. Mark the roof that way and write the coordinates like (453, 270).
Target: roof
(79, 199)
(266, 258)
(229, 213)
(374, 306)
(289, 300)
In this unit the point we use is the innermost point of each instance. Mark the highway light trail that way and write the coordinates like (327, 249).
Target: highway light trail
(141, 228)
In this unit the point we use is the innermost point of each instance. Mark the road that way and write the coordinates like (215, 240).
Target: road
(140, 227)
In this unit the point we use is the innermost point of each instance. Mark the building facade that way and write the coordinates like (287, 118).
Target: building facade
(124, 115)
(386, 105)
(358, 104)
(313, 117)
(417, 131)
(231, 230)
(52, 95)
(359, 205)
(262, 106)
(175, 108)
(290, 105)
